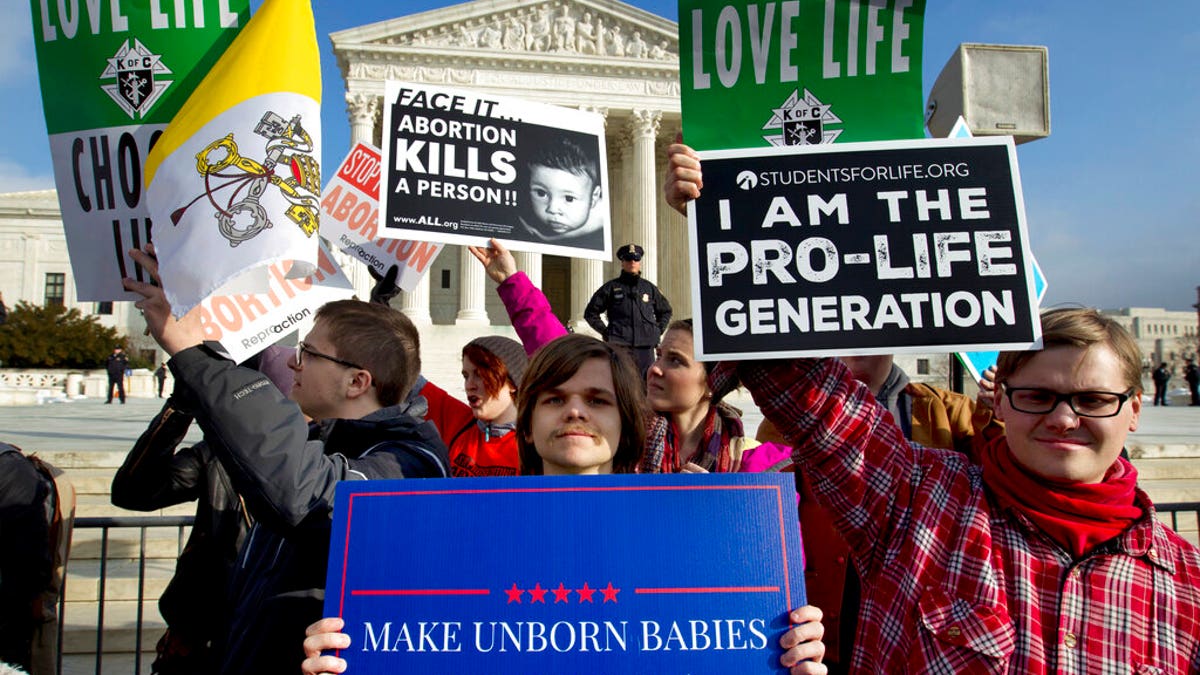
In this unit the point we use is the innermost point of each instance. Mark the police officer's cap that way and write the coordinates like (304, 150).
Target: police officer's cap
(630, 252)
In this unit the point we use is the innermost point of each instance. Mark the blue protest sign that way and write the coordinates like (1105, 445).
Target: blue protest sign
(600, 574)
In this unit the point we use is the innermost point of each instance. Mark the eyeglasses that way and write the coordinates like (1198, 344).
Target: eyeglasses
(1036, 401)
(302, 349)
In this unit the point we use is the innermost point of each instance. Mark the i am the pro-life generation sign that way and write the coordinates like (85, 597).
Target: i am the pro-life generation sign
(462, 167)
(866, 248)
(566, 574)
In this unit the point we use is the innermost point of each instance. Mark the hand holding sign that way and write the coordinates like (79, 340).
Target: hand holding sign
(803, 648)
(986, 398)
(684, 180)
(324, 636)
(496, 260)
(385, 287)
(174, 335)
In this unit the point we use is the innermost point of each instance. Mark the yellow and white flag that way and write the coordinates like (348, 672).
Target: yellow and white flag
(234, 182)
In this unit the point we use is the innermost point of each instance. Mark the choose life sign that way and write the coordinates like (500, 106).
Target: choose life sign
(565, 574)
(800, 72)
(113, 75)
(864, 248)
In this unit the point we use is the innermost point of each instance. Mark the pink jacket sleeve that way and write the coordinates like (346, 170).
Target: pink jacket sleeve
(529, 312)
(766, 457)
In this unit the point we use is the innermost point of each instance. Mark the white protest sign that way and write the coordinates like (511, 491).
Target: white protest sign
(462, 167)
(862, 248)
(350, 221)
(246, 324)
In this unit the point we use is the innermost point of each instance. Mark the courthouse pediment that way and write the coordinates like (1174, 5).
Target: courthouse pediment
(571, 29)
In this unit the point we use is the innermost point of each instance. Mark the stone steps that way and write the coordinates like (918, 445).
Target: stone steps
(112, 663)
(101, 506)
(91, 480)
(120, 624)
(1168, 468)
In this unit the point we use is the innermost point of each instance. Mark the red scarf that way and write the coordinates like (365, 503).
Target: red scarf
(1077, 515)
(722, 424)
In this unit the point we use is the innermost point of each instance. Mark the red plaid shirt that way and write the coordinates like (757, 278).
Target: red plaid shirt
(951, 582)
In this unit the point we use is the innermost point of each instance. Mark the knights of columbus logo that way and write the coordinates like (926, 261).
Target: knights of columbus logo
(136, 70)
(802, 121)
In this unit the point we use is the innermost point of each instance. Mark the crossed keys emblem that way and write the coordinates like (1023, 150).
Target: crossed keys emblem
(242, 216)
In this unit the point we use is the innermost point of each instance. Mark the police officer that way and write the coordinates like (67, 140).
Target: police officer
(637, 311)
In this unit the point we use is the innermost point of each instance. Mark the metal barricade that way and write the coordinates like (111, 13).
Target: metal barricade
(1171, 511)
(1174, 510)
(106, 525)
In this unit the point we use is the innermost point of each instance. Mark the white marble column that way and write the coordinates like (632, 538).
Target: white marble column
(415, 304)
(471, 291)
(531, 264)
(674, 278)
(586, 277)
(362, 109)
(644, 195)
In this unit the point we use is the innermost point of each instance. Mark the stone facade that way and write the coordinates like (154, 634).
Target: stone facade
(1163, 335)
(34, 265)
(600, 55)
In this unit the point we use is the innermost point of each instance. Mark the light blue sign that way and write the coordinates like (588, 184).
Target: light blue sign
(977, 362)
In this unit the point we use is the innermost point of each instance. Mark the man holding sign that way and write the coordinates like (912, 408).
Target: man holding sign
(1045, 558)
(352, 373)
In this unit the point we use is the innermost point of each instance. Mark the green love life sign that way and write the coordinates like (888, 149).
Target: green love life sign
(106, 63)
(800, 72)
(113, 73)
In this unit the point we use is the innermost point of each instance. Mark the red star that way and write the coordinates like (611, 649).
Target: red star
(514, 594)
(610, 593)
(562, 594)
(585, 593)
(538, 594)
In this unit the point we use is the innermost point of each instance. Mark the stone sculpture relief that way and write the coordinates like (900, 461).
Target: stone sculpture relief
(552, 27)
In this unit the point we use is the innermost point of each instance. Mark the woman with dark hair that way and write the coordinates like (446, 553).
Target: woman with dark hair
(694, 430)
(582, 410)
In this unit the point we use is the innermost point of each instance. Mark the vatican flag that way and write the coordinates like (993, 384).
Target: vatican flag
(234, 182)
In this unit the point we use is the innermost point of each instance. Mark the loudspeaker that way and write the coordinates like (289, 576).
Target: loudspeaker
(1000, 90)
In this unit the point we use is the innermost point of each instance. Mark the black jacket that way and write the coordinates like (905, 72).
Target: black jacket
(637, 312)
(116, 364)
(25, 554)
(285, 471)
(155, 476)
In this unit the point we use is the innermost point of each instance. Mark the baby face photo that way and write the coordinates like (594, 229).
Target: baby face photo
(564, 203)
(531, 174)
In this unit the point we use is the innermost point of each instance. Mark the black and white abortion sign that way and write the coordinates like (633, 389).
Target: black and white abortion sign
(462, 167)
(861, 248)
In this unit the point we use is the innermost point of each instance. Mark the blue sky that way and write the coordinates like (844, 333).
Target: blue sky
(1109, 196)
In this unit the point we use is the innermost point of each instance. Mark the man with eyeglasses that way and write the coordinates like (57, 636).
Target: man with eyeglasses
(1045, 557)
(352, 373)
